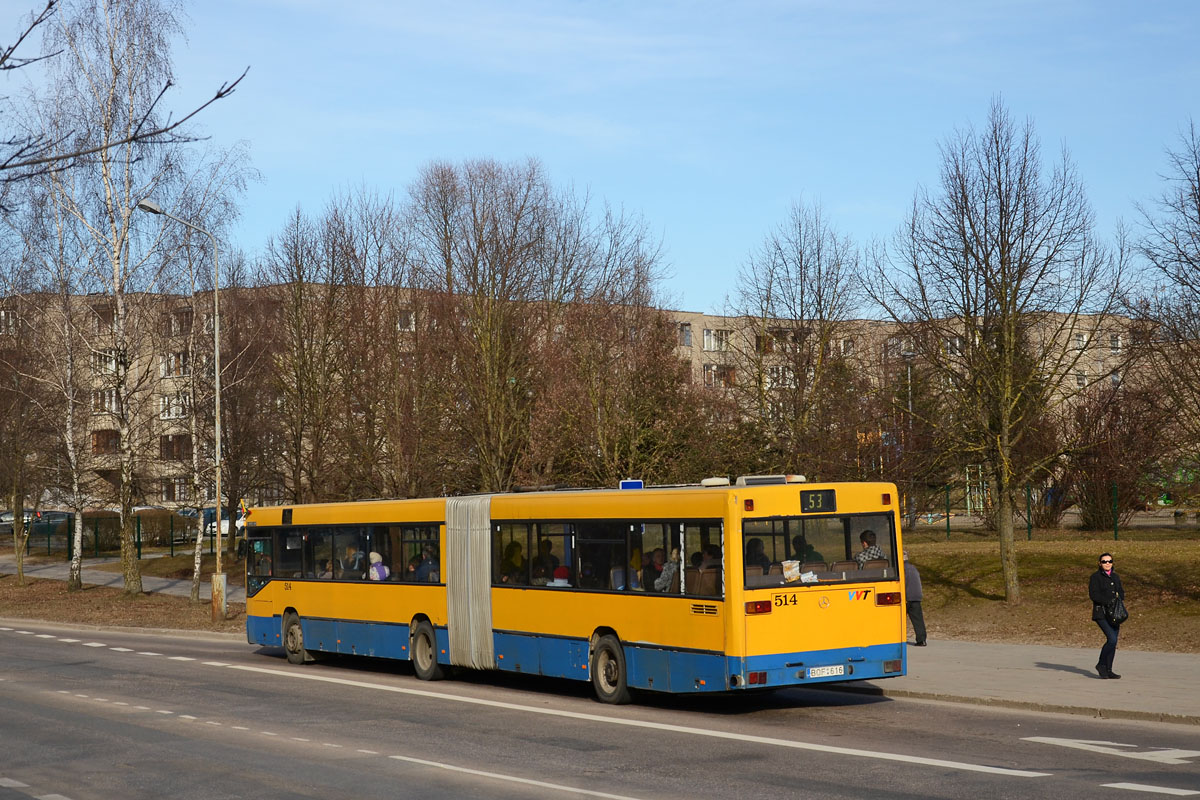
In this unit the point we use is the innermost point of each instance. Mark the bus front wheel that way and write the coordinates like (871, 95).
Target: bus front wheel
(608, 671)
(424, 653)
(293, 639)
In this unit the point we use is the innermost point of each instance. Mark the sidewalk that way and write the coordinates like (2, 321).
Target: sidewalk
(235, 590)
(1155, 686)
(1163, 687)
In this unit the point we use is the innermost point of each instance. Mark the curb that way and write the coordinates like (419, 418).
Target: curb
(217, 636)
(1022, 705)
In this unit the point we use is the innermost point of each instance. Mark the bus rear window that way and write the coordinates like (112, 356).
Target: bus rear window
(849, 548)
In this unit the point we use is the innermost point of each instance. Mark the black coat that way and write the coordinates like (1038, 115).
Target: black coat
(1102, 588)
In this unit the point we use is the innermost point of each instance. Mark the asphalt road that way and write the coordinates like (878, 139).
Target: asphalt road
(87, 714)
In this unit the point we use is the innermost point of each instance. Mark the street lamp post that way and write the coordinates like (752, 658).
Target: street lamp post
(908, 357)
(219, 606)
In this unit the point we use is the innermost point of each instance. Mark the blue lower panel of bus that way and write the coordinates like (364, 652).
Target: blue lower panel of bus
(819, 666)
(646, 667)
(378, 639)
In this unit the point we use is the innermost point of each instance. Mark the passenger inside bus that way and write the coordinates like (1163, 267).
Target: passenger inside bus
(427, 568)
(545, 557)
(378, 570)
(755, 556)
(512, 567)
(803, 551)
(324, 570)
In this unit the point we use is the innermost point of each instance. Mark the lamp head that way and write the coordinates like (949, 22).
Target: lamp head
(150, 205)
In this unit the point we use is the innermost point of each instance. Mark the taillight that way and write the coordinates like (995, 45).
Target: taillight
(887, 598)
(758, 607)
(756, 678)
(891, 666)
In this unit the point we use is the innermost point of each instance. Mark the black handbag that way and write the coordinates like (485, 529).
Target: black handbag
(1115, 612)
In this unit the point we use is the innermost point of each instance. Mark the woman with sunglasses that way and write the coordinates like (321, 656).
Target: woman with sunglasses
(1102, 588)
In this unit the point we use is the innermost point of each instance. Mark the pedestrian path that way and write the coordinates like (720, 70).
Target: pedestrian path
(235, 591)
(1154, 686)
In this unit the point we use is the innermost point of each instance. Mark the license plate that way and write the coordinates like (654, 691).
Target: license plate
(825, 672)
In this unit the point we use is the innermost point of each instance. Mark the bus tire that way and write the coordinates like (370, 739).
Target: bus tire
(424, 653)
(293, 639)
(609, 678)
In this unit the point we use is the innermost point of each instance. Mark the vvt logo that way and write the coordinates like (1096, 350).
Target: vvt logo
(859, 594)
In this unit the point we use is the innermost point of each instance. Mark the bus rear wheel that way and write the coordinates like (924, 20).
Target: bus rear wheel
(424, 653)
(293, 639)
(608, 671)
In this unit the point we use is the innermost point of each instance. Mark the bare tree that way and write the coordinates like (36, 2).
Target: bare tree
(36, 151)
(103, 102)
(1169, 318)
(498, 252)
(304, 264)
(1003, 286)
(793, 376)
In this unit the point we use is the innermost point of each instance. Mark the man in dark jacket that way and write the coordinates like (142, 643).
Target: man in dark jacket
(912, 597)
(1103, 588)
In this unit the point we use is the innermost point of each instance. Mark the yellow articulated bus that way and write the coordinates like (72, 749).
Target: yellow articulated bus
(766, 583)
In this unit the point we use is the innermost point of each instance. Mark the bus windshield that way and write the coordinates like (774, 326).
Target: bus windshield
(819, 549)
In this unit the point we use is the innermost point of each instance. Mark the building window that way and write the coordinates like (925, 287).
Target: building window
(8, 322)
(897, 347)
(1115, 377)
(104, 316)
(174, 406)
(176, 490)
(954, 345)
(1080, 379)
(685, 334)
(1081, 341)
(404, 321)
(716, 340)
(105, 400)
(177, 322)
(764, 344)
(175, 447)
(104, 362)
(105, 442)
(1114, 344)
(173, 365)
(781, 376)
(847, 347)
(718, 375)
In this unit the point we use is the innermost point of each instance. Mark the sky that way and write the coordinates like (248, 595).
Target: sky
(709, 120)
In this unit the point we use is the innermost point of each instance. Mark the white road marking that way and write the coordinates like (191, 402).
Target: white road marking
(1142, 787)
(25, 633)
(94, 644)
(510, 778)
(329, 744)
(240, 728)
(119, 703)
(122, 649)
(45, 636)
(186, 716)
(146, 653)
(369, 752)
(300, 739)
(53, 797)
(268, 733)
(142, 708)
(661, 726)
(181, 658)
(69, 641)
(81, 695)
(164, 711)
(1161, 756)
(215, 664)
(5, 629)
(9, 783)
(211, 722)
